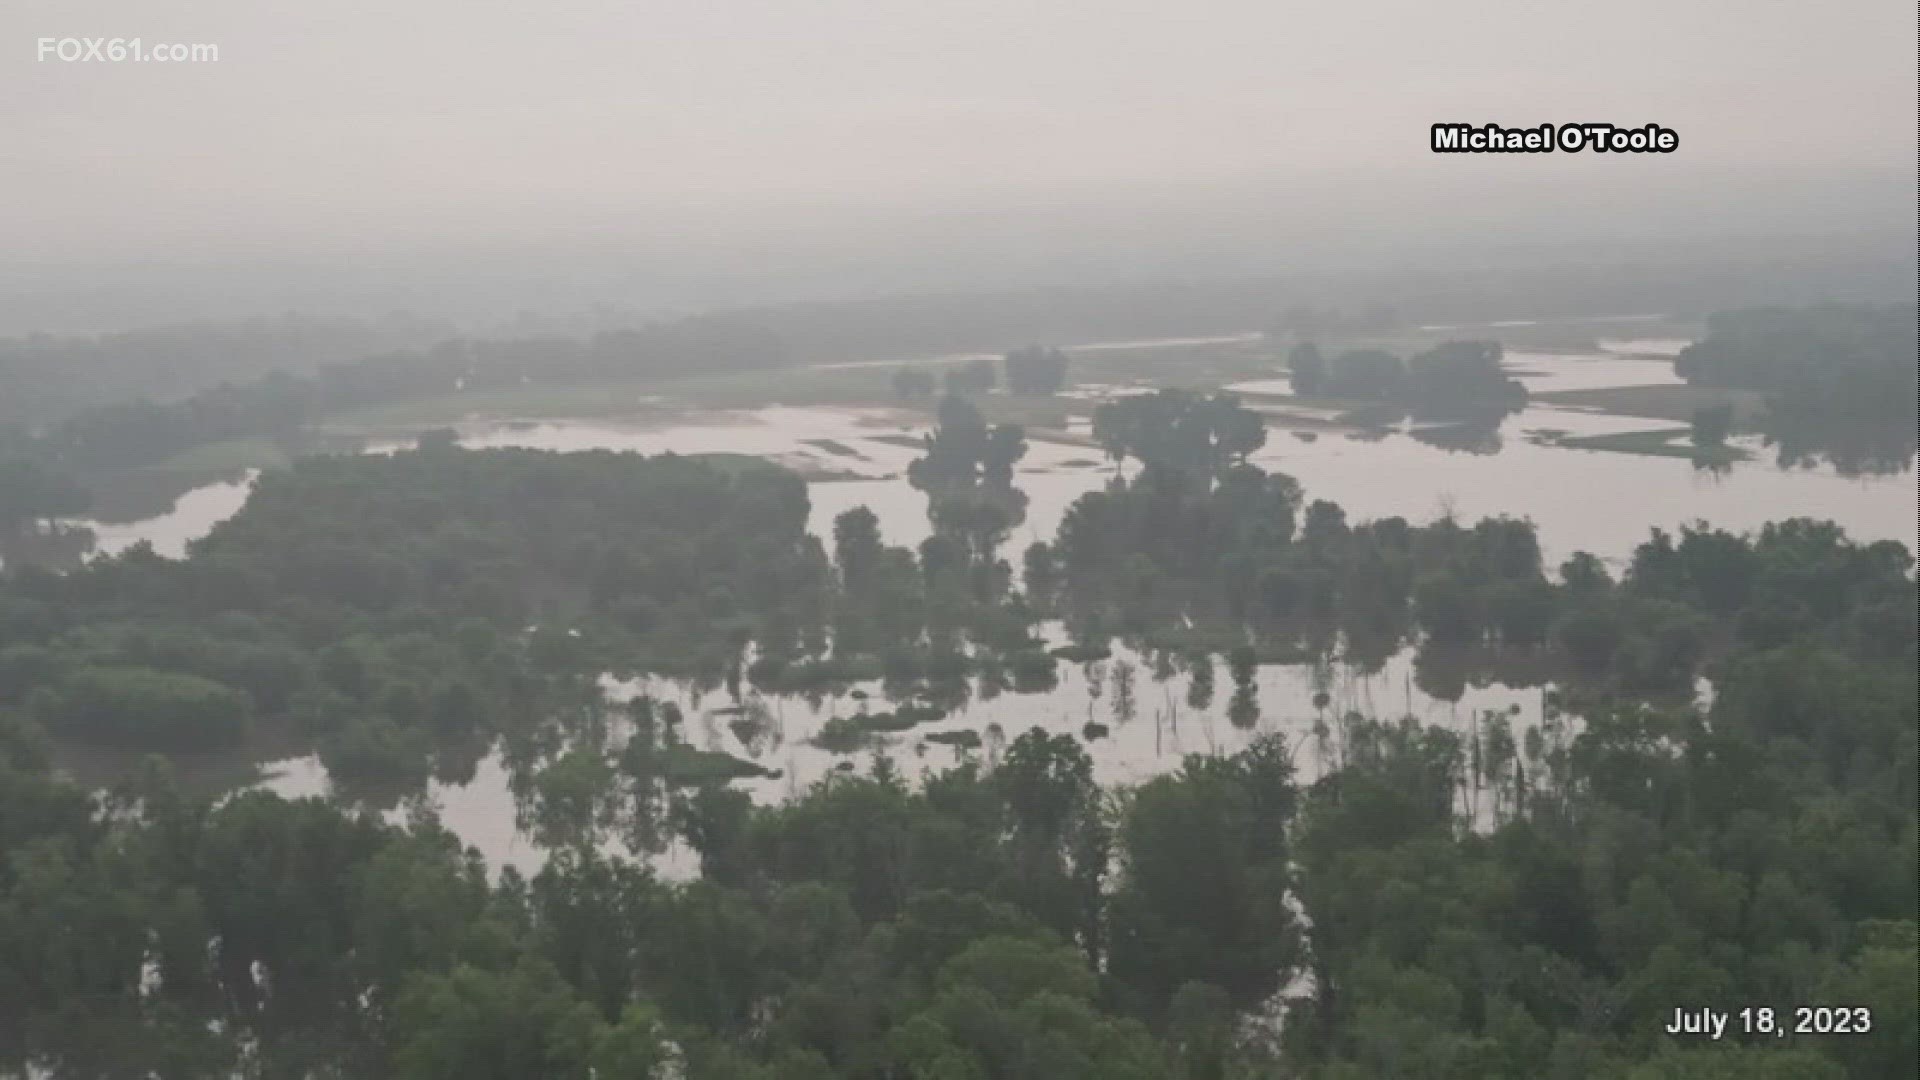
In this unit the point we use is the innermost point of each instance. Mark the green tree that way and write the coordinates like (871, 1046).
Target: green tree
(1203, 892)
(1307, 369)
(473, 1023)
(1711, 425)
(857, 549)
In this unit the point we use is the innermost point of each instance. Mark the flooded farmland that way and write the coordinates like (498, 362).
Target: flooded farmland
(1580, 500)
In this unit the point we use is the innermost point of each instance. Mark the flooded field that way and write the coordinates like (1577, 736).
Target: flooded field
(1581, 499)
(1584, 500)
(193, 514)
(1645, 346)
(1603, 502)
(1547, 372)
(1142, 731)
(1620, 363)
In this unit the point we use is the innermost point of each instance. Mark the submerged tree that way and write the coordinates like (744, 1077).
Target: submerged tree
(1307, 369)
(1711, 425)
(1200, 681)
(1179, 431)
(1125, 708)
(967, 474)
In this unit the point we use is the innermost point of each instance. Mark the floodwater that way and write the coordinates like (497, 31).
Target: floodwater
(1645, 346)
(1635, 362)
(858, 456)
(1584, 500)
(1591, 500)
(193, 515)
(950, 359)
(1598, 501)
(1547, 372)
(1174, 342)
(790, 436)
(1142, 740)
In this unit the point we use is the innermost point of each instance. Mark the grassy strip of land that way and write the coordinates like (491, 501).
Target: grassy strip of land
(222, 457)
(523, 403)
(1321, 414)
(735, 463)
(1675, 403)
(1661, 442)
(1550, 335)
(637, 399)
(834, 446)
(1062, 438)
(1198, 365)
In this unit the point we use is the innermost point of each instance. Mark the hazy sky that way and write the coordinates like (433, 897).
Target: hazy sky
(339, 126)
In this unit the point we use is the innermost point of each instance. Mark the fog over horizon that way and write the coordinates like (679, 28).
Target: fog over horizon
(469, 162)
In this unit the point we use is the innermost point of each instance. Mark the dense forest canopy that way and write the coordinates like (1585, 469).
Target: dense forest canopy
(384, 605)
(1441, 902)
